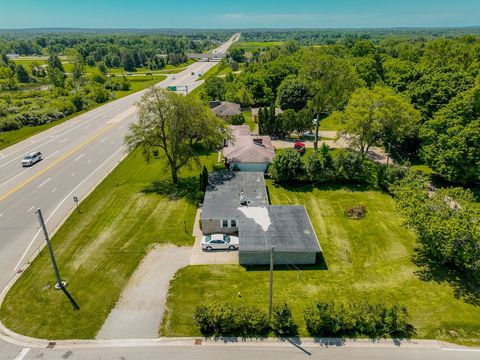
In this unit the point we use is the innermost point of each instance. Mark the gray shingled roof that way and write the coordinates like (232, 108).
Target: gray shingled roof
(222, 198)
(227, 108)
(290, 230)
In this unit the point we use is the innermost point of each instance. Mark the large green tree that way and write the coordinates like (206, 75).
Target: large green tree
(175, 124)
(378, 117)
(451, 140)
(292, 94)
(331, 81)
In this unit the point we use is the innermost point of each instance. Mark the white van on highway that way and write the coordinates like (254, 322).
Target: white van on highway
(32, 158)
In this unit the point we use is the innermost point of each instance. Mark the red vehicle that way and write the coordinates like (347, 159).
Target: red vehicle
(300, 147)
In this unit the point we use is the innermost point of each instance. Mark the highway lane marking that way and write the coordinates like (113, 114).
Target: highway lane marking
(43, 183)
(22, 354)
(24, 171)
(75, 124)
(79, 157)
(103, 140)
(460, 350)
(86, 127)
(101, 151)
(89, 161)
(62, 141)
(33, 207)
(53, 190)
(73, 174)
(61, 202)
(60, 159)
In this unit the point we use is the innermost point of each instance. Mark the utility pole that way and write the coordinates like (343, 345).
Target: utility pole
(60, 284)
(270, 300)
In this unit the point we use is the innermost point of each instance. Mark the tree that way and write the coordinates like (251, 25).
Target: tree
(78, 64)
(320, 167)
(8, 80)
(22, 74)
(287, 167)
(451, 140)
(237, 55)
(214, 87)
(175, 124)
(350, 166)
(55, 63)
(378, 116)
(331, 82)
(292, 94)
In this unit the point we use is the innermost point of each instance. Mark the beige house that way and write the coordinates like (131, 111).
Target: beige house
(248, 152)
(225, 109)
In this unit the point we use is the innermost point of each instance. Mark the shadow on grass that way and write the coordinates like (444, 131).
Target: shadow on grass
(464, 288)
(186, 188)
(308, 187)
(320, 264)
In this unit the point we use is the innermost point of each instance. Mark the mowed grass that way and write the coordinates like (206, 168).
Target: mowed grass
(364, 259)
(256, 45)
(9, 138)
(98, 249)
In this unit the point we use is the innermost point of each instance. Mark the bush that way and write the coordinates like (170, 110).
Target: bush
(287, 167)
(282, 322)
(238, 119)
(374, 320)
(351, 167)
(357, 212)
(9, 124)
(387, 175)
(226, 319)
(218, 167)
(320, 166)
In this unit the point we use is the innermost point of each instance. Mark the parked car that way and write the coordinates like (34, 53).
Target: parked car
(219, 242)
(32, 158)
(300, 147)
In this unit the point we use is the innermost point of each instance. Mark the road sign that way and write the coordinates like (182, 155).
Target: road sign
(171, 88)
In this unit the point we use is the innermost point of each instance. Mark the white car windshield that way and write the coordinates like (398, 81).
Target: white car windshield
(28, 157)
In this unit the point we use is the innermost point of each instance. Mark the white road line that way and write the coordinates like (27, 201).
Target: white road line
(86, 127)
(101, 151)
(64, 199)
(43, 183)
(79, 157)
(103, 140)
(22, 354)
(1, 214)
(33, 207)
(460, 350)
(62, 141)
(73, 174)
(49, 156)
(89, 161)
(54, 189)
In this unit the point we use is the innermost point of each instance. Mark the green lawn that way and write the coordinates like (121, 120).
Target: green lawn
(12, 137)
(364, 259)
(256, 45)
(249, 120)
(331, 123)
(99, 249)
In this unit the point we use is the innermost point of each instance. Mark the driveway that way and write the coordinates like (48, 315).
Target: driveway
(139, 311)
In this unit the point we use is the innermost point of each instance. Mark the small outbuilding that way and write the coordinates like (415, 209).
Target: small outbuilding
(225, 109)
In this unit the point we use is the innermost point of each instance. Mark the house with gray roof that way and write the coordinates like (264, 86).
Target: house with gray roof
(225, 109)
(237, 203)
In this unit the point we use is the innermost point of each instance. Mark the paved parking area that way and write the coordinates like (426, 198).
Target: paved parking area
(200, 257)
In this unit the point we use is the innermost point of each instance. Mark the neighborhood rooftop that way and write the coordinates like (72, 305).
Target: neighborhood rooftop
(222, 198)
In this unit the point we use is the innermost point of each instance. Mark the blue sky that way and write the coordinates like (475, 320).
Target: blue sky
(237, 14)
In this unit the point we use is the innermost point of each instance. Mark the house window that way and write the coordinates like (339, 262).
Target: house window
(224, 223)
(233, 223)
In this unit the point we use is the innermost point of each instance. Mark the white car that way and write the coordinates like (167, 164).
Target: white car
(32, 158)
(219, 242)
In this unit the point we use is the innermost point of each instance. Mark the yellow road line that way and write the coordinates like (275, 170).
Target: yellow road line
(3, 197)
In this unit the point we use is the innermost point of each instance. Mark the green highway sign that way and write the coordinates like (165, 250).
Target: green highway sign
(171, 88)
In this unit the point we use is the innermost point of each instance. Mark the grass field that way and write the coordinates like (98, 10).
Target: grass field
(12, 137)
(331, 123)
(249, 120)
(256, 45)
(99, 249)
(364, 259)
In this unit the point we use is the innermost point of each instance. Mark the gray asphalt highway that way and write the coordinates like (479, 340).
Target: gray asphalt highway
(78, 154)
(234, 352)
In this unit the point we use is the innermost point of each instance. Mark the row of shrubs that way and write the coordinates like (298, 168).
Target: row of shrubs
(322, 318)
(289, 167)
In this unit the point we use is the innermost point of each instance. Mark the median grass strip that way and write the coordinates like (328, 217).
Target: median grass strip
(136, 84)
(369, 259)
(98, 249)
